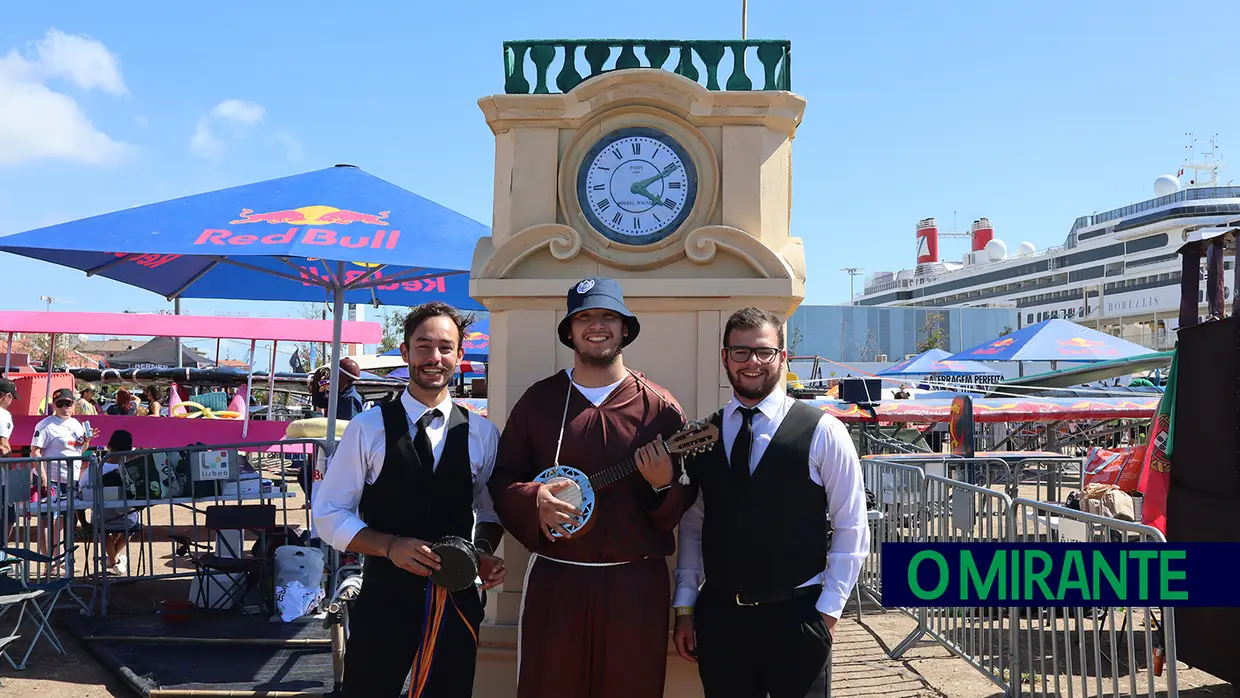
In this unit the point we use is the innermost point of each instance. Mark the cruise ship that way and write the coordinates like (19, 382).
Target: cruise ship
(1117, 271)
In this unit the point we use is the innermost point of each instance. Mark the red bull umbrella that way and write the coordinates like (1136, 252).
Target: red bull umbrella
(477, 342)
(1053, 340)
(337, 234)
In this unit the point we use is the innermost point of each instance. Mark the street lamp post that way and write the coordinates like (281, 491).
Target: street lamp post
(852, 277)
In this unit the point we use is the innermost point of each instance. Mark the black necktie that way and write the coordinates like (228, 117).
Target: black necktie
(743, 446)
(422, 441)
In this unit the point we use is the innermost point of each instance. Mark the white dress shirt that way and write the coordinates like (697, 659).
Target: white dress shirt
(358, 460)
(833, 463)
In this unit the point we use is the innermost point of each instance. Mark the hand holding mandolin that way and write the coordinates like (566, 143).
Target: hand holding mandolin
(553, 513)
(655, 463)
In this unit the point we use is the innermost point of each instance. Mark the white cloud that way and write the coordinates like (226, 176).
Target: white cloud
(204, 143)
(38, 122)
(239, 111)
(240, 116)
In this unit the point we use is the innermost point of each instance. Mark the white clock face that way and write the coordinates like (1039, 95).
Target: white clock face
(637, 185)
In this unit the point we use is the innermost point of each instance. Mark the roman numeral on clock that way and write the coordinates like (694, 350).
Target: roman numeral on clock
(637, 148)
(601, 187)
(603, 205)
(617, 218)
(617, 153)
(673, 185)
(637, 222)
(671, 205)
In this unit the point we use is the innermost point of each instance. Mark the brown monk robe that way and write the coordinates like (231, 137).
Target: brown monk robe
(594, 616)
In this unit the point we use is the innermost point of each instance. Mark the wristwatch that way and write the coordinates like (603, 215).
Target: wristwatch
(684, 610)
(668, 486)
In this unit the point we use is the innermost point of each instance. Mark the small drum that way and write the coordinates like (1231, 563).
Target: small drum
(458, 563)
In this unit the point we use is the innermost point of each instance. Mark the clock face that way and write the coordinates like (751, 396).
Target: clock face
(637, 185)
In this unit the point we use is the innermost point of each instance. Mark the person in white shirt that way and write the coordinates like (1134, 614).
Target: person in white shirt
(58, 435)
(404, 476)
(758, 588)
(8, 393)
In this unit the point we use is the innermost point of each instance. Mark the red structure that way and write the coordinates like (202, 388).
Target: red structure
(983, 233)
(927, 241)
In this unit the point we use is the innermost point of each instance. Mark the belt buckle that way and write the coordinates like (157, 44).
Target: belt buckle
(742, 603)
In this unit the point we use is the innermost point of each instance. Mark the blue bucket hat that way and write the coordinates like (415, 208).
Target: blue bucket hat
(598, 293)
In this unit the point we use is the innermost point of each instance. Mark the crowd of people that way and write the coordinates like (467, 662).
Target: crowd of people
(772, 520)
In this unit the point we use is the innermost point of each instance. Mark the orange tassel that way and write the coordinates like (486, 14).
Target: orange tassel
(426, 650)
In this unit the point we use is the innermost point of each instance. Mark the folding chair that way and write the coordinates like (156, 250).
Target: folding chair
(259, 519)
(15, 595)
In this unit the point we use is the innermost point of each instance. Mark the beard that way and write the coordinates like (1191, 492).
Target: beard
(428, 383)
(770, 379)
(597, 355)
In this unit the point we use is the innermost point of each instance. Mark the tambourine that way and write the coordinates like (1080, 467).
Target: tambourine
(458, 563)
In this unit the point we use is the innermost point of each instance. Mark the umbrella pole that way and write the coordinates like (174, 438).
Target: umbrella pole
(333, 397)
(271, 379)
(8, 357)
(249, 389)
(51, 359)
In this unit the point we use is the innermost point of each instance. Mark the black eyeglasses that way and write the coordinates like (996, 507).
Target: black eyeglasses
(64, 403)
(741, 354)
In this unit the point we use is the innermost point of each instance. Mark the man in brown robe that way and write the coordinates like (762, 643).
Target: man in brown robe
(594, 615)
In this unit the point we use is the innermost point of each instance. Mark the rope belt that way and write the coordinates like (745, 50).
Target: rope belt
(437, 599)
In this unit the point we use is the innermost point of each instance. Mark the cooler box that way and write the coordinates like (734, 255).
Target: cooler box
(32, 391)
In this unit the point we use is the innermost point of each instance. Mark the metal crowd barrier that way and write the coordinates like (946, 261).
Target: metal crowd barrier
(898, 494)
(141, 532)
(1026, 651)
(964, 513)
(1062, 651)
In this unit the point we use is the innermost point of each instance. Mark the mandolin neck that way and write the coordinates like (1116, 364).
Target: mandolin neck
(614, 474)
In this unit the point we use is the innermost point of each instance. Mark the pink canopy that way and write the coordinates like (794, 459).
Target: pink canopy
(152, 325)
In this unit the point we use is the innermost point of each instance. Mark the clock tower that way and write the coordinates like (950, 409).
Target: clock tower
(666, 165)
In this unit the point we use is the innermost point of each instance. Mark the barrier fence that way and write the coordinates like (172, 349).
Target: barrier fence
(1025, 651)
(148, 514)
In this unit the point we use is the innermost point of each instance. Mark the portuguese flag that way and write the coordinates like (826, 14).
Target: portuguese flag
(1156, 471)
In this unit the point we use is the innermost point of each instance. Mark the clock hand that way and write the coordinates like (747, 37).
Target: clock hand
(651, 180)
(641, 190)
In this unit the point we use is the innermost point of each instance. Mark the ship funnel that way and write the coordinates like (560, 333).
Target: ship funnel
(927, 241)
(983, 233)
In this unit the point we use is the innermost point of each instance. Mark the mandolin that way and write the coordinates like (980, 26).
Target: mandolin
(694, 438)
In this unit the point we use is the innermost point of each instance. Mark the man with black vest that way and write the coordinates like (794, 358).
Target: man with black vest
(758, 590)
(404, 476)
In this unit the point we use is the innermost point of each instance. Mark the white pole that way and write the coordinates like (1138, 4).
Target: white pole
(249, 388)
(271, 379)
(333, 397)
(51, 359)
(744, 19)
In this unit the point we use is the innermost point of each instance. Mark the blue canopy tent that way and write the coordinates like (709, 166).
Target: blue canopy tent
(477, 342)
(335, 234)
(941, 372)
(935, 361)
(1053, 340)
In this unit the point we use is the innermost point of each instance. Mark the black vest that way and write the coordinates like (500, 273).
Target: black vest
(414, 499)
(771, 536)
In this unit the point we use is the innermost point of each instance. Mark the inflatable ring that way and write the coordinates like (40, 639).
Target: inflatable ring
(202, 411)
(313, 428)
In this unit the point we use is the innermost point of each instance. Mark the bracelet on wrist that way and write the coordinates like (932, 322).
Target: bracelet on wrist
(684, 610)
(484, 546)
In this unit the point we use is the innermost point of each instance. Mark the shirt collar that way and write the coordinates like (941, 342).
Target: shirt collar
(416, 409)
(769, 407)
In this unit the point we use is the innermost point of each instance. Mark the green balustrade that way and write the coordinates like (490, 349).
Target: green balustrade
(775, 57)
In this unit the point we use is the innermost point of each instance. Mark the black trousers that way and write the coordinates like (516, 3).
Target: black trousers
(385, 630)
(780, 650)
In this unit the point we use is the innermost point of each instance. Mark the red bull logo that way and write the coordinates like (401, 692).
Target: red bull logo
(1078, 346)
(304, 230)
(476, 340)
(312, 215)
(995, 346)
(1079, 342)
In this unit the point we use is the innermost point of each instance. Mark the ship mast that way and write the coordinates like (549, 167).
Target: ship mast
(1206, 161)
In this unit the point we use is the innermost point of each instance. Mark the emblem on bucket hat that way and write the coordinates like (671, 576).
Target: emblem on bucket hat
(602, 294)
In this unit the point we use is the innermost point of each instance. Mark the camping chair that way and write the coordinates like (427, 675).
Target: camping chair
(227, 560)
(14, 595)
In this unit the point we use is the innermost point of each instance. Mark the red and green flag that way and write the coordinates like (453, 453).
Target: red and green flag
(1156, 471)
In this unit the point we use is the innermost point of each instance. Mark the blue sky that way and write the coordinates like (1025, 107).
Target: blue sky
(1029, 113)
